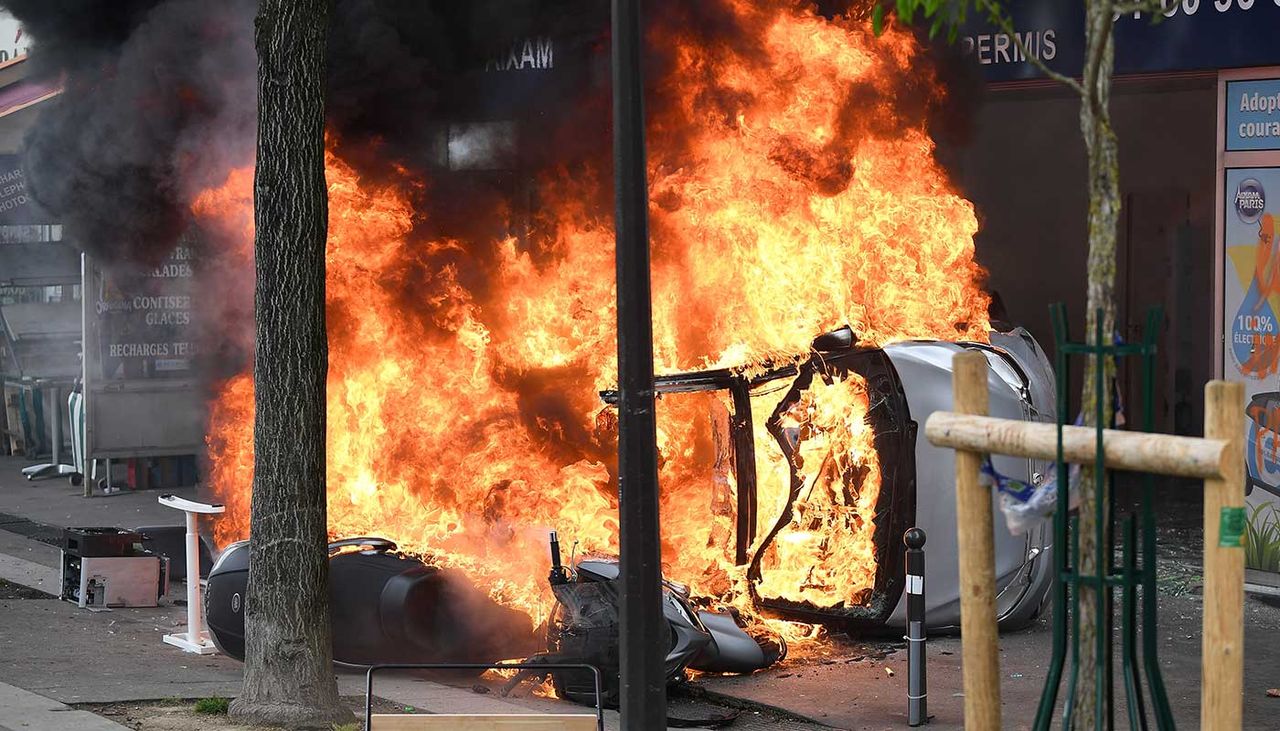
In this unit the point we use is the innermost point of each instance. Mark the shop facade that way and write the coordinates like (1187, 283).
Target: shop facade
(96, 366)
(1196, 108)
(1248, 274)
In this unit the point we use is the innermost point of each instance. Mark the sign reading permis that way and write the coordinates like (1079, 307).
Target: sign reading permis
(1253, 114)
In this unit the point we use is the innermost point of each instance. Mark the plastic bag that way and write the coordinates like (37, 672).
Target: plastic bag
(1025, 504)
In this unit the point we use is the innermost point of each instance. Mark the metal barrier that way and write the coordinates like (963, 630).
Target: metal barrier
(595, 673)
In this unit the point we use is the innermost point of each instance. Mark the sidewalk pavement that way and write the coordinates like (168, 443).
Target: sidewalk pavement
(22, 710)
(54, 653)
(74, 656)
(55, 502)
(60, 654)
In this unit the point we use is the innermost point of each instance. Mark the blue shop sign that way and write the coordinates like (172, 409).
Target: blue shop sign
(1253, 114)
(1192, 35)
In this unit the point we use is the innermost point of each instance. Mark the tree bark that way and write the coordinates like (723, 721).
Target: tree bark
(289, 676)
(1104, 214)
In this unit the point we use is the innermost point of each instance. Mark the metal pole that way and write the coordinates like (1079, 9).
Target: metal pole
(644, 632)
(917, 685)
(56, 456)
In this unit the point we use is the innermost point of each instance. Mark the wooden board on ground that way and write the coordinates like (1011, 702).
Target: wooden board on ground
(452, 722)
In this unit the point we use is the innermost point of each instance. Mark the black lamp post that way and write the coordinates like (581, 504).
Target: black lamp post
(644, 636)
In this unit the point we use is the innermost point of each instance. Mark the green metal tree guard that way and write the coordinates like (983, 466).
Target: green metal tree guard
(1126, 577)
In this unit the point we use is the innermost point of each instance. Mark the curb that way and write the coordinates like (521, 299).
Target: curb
(24, 709)
(730, 701)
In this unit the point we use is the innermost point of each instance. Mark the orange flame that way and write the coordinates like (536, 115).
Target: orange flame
(825, 556)
(466, 424)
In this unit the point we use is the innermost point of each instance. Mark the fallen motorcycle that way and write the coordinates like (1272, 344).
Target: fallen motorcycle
(584, 627)
(385, 607)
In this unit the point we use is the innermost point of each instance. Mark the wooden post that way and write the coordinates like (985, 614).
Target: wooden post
(1222, 648)
(1162, 454)
(979, 641)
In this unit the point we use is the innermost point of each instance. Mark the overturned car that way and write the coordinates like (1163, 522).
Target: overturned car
(904, 383)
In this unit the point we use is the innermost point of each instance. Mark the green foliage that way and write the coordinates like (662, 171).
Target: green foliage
(1262, 540)
(939, 13)
(951, 14)
(213, 706)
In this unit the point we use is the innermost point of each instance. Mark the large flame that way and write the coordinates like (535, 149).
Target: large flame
(465, 421)
(825, 556)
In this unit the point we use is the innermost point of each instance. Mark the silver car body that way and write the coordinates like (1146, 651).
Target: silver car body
(1021, 386)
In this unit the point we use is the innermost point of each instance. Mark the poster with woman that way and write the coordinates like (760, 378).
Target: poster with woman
(1252, 353)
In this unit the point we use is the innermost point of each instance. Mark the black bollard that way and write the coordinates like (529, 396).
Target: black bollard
(917, 688)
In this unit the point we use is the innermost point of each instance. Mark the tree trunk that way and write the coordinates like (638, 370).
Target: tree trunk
(288, 641)
(1104, 214)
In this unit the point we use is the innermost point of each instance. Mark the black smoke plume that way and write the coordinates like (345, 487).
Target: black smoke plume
(158, 102)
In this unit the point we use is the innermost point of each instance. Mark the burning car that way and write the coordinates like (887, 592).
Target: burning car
(821, 503)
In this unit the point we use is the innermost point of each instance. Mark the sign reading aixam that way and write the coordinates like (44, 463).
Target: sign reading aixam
(525, 54)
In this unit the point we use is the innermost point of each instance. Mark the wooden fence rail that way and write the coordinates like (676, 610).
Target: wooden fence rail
(1218, 459)
(1160, 454)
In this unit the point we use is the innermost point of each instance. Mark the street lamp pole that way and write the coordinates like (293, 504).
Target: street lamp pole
(644, 636)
